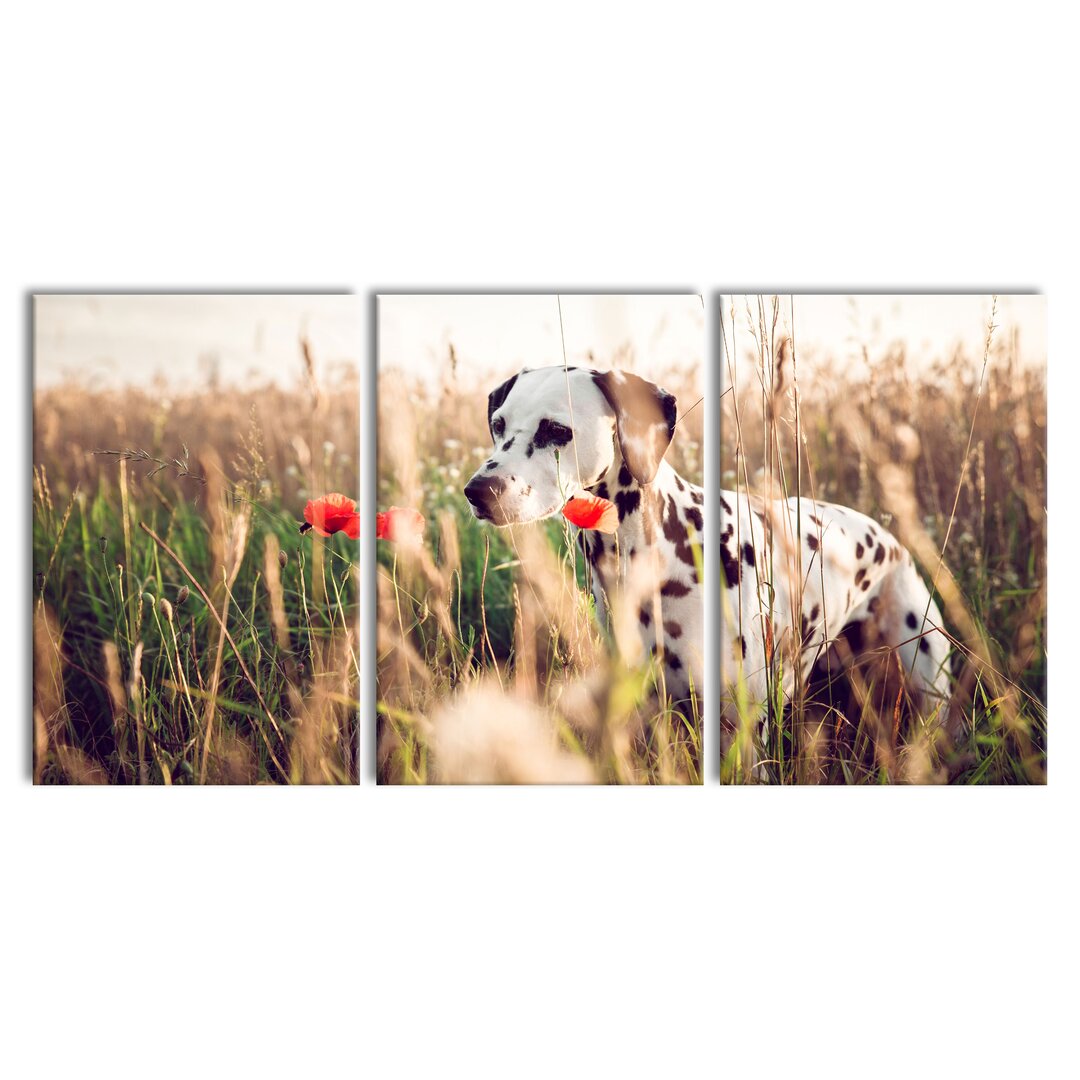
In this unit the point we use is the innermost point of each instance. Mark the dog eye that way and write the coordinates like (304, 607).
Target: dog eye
(499, 426)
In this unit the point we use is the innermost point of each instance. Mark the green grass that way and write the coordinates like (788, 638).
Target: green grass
(184, 630)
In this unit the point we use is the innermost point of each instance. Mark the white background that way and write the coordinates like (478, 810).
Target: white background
(538, 932)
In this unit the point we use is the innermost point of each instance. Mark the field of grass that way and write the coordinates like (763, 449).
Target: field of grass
(492, 664)
(952, 460)
(184, 631)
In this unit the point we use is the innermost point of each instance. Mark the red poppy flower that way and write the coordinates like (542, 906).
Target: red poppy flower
(330, 514)
(592, 512)
(400, 525)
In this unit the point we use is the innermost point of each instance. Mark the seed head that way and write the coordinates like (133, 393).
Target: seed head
(182, 595)
(166, 608)
(283, 559)
(149, 598)
(103, 543)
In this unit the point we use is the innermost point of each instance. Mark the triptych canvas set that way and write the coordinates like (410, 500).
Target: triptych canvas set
(618, 539)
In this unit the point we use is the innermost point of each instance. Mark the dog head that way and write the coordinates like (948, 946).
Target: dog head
(558, 431)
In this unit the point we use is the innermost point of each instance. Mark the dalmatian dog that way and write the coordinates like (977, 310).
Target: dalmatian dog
(562, 432)
(859, 586)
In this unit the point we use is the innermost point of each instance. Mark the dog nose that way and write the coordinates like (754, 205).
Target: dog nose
(482, 491)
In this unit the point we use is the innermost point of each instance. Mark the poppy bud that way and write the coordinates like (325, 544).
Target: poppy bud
(103, 544)
(182, 595)
(166, 609)
(149, 598)
(283, 559)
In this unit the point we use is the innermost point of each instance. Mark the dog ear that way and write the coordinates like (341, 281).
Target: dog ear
(497, 397)
(645, 416)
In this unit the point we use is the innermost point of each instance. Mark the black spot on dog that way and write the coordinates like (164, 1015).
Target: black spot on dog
(853, 635)
(859, 551)
(811, 541)
(748, 553)
(509, 442)
(731, 566)
(674, 588)
(869, 540)
(675, 531)
(879, 555)
(627, 502)
(724, 506)
(672, 628)
(644, 617)
(592, 544)
(912, 620)
(551, 433)
(673, 662)
(924, 645)
(697, 496)
(860, 574)
(693, 516)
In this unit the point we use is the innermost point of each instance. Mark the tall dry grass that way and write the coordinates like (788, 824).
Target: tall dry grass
(951, 458)
(184, 631)
(493, 666)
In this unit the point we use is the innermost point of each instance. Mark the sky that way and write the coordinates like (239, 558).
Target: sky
(133, 339)
(837, 327)
(499, 335)
(114, 340)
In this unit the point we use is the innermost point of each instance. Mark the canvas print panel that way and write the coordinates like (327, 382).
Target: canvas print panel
(883, 539)
(540, 567)
(194, 539)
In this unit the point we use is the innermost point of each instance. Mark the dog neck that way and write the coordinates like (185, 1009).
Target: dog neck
(641, 516)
